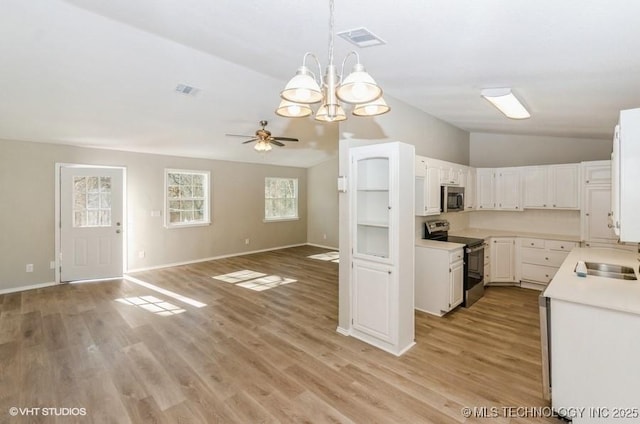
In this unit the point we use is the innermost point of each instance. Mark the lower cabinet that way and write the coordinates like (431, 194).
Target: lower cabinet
(374, 300)
(503, 260)
(439, 279)
(540, 260)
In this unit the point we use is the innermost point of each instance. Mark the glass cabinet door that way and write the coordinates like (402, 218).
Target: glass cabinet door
(372, 206)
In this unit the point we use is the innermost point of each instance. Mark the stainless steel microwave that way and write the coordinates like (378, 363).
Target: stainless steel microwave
(451, 199)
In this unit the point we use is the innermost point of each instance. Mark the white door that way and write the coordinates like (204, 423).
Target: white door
(91, 217)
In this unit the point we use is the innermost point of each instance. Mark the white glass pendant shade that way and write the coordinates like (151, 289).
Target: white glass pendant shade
(293, 110)
(374, 108)
(262, 146)
(323, 114)
(302, 88)
(358, 87)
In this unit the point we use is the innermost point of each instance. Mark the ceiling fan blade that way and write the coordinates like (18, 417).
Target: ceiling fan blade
(285, 139)
(249, 141)
(277, 143)
(239, 135)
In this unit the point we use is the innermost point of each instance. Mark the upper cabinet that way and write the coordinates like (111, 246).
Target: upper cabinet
(470, 190)
(626, 176)
(551, 186)
(498, 189)
(450, 174)
(427, 196)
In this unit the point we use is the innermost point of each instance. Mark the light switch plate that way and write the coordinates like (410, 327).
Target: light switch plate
(342, 184)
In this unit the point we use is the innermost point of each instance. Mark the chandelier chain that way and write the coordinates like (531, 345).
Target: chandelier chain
(331, 30)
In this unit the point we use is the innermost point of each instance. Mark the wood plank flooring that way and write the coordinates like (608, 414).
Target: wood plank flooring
(257, 356)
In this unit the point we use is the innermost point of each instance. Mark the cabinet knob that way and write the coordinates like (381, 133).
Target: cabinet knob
(544, 206)
(561, 247)
(516, 207)
(546, 259)
(554, 206)
(532, 244)
(546, 275)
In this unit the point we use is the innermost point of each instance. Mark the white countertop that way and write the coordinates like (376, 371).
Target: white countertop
(484, 233)
(610, 293)
(435, 244)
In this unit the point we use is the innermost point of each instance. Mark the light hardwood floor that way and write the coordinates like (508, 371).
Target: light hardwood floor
(253, 357)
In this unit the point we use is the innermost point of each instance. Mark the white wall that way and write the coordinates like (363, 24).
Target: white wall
(322, 204)
(237, 210)
(495, 150)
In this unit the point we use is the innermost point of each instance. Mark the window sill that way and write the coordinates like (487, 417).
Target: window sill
(280, 219)
(188, 225)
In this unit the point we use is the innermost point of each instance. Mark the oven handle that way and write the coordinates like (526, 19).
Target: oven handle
(476, 249)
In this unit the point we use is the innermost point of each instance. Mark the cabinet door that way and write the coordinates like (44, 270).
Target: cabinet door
(597, 172)
(596, 225)
(503, 260)
(470, 190)
(456, 277)
(508, 189)
(534, 187)
(421, 166)
(615, 182)
(373, 300)
(371, 201)
(485, 192)
(564, 190)
(432, 195)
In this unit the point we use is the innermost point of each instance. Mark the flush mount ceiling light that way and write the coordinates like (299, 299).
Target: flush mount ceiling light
(506, 102)
(357, 88)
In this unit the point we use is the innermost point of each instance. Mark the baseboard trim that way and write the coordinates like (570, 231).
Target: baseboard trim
(25, 288)
(343, 331)
(322, 246)
(212, 258)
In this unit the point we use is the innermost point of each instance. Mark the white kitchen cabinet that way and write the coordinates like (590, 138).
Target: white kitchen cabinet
(498, 189)
(540, 259)
(421, 166)
(485, 188)
(507, 189)
(439, 279)
(449, 174)
(535, 187)
(382, 240)
(502, 260)
(470, 189)
(427, 190)
(596, 225)
(551, 186)
(627, 176)
(564, 188)
(596, 172)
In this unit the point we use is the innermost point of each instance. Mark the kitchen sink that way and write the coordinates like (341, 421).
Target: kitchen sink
(610, 271)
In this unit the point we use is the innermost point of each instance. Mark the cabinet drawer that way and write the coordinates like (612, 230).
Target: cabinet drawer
(456, 255)
(538, 273)
(531, 242)
(542, 257)
(564, 246)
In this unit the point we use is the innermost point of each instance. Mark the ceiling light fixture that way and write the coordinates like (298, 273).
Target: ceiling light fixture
(262, 146)
(357, 88)
(506, 102)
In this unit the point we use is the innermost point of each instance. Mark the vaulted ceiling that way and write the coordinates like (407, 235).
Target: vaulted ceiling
(103, 73)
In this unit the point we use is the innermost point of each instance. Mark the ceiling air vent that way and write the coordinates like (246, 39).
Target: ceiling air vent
(361, 37)
(187, 90)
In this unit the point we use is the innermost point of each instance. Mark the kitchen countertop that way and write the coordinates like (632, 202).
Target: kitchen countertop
(484, 233)
(442, 245)
(602, 292)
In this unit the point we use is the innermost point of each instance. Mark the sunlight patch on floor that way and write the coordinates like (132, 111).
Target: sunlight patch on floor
(328, 257)
(165, 292)
(152, 304)
(253, 280)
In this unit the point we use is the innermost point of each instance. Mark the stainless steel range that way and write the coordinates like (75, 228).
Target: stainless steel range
(473, 258)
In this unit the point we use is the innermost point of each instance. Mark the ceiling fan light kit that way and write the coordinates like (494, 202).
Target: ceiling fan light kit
(506, 102)
(263, 138)
(357, 88)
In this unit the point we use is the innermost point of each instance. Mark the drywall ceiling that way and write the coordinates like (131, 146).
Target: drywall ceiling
(103, 73)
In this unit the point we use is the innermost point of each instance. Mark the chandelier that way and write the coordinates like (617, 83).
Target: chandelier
(358, 89)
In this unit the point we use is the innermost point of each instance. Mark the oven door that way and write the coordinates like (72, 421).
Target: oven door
(475, 270)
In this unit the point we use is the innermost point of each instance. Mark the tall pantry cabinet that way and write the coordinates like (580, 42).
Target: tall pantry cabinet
(382, 237)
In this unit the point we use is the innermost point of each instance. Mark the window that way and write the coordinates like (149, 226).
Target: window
(280, 198)
(91, 202)
(187, 198)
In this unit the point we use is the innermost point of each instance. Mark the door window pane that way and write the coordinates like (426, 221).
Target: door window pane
(91, 202)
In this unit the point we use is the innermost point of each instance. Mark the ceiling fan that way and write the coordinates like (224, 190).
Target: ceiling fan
(264, 138)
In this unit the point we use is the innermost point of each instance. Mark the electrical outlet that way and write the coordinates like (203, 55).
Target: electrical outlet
(324, 236)
(142, 254)
(246, 241)
(29, 267)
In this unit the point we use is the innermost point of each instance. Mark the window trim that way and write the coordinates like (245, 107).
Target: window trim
(207, 198)
(283, 218)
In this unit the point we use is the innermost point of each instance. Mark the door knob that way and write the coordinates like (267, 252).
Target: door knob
(118, 231)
